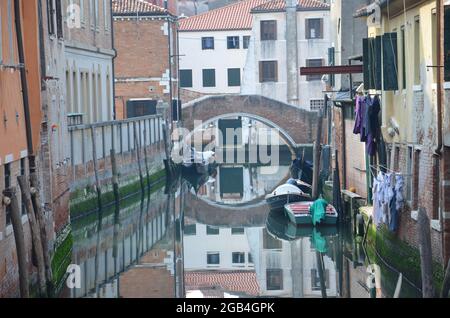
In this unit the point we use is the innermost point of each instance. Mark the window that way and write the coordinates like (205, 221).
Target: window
(185, 78)
(268, 71)
(7, 186)
(232, 42)
(75, 92)
(250, 258)
(68, 93)
(141, 107)
(246, 42)
(434, 44)
(237, 231)
(105, 14)
(268, 30)
(415, 180)
(234, 77)
(447, 43)
(417, 51)
(315, 279)
(212, 230)
(213, 258)
(50, 17)
(270, 243)
(274, 279)
(403, 50)
(208, 43)
(190, 229)
(316, 104)
(10, 32)
(82, 15)
(409, 168)
(314, 63)
(209, 78)
(59, 19)
(238, 258)
(1, 39)
(314, 28)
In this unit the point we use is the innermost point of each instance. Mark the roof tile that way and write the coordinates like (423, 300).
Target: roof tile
(126, 7)
(280, 5)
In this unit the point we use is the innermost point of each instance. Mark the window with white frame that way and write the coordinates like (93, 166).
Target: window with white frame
(105, 14)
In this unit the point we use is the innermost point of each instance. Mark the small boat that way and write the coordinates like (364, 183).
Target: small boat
(299, 213)
(286, 193)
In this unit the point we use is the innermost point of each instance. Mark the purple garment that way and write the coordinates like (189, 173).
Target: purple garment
(358, 117)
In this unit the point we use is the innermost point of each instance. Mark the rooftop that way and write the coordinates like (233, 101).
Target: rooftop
(136, 7)
(280, 6)
(235, 16)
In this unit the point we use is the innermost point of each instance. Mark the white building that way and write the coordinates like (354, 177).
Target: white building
(89, 61)
(213, 48)
(213, 248)
(282, 42)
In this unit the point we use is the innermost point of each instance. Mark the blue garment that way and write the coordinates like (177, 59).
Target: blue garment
(393, 219)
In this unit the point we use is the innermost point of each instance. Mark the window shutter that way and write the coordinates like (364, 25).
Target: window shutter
(377, 64)
(260, 72)
(275, 33)
(366, 68)
(275, 67)
(307, 29)
(320, 36)
(390, 62)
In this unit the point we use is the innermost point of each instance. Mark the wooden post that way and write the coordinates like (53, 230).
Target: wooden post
(320, 268)
(99, 204)
(424, 237)
(116, 200)
(37, 206)
(35, 234)
(446, 283)
(145, 157)
(317, 146)
(16, 220)
(138, 151)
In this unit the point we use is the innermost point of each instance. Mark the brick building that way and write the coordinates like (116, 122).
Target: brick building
(146, 67)
(20, 95)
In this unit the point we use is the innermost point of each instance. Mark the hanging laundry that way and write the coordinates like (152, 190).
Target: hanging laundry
(358, 116)
(372, 124)
(377, 197)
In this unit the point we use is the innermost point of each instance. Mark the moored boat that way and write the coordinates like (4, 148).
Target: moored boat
(284, 194)
(300, 213)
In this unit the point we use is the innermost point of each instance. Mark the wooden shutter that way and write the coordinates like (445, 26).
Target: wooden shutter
(390, 62)
(321, 29)
(307, 29)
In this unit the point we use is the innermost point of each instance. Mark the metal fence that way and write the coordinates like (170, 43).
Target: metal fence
(117, 135)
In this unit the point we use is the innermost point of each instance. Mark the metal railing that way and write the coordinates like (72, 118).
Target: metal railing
(117, 135)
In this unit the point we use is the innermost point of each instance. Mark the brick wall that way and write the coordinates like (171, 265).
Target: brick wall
(142, 63)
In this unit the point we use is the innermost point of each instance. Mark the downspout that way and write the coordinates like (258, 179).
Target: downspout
(439, 20)
(169, 38)
(292, 52)
(113, 70)
(23, 77)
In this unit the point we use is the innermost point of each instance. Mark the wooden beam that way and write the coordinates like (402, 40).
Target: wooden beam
(323, 70)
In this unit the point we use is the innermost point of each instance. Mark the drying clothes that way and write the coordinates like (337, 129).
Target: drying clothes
(358, 116)
(388, 199)
(318, 211)
(372, 124)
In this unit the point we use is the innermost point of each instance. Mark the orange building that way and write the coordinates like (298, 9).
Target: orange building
(20, 112)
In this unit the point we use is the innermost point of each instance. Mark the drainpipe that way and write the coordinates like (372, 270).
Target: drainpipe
(113, 70)
(439, 22)
(291, 52)
(23, 77)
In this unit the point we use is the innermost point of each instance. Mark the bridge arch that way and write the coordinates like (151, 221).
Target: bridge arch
(297, 126)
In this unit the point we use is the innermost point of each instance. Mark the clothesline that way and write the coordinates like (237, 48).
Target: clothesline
(377, 167)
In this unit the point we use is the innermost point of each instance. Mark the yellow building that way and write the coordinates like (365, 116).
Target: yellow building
(404, 66)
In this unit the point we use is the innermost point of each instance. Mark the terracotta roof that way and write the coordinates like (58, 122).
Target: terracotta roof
(133, 7)
(235, 16)
(280, 6)
(224, 281)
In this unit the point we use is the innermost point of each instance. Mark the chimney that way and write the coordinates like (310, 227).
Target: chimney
(292, 52)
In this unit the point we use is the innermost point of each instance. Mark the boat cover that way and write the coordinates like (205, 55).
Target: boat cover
(318, 210)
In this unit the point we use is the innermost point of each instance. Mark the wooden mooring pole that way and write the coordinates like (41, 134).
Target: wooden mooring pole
(10, 200)
(426, 260)
(138, 151)
(146, 160)
(35, 234)
(115, 181)
(317, 151)
(37, 206)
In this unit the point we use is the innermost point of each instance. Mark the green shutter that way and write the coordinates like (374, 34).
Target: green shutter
(390, 62)
(234, 77)
(331, 62)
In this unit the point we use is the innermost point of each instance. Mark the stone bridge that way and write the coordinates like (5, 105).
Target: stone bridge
(297, 126)
(211, 213)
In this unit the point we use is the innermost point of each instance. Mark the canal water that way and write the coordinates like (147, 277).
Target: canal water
(214, 236)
